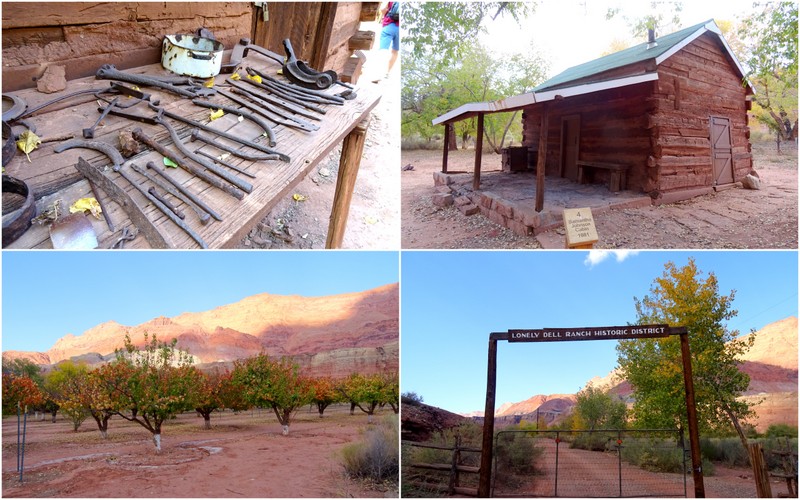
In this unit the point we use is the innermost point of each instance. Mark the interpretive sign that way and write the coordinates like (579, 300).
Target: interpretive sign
(591, 333)
(579, 227)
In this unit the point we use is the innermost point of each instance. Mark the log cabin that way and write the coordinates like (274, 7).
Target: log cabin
(667, 117)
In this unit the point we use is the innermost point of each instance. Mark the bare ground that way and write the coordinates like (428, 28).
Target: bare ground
(243, 455)
(374, 221)
(734, 218)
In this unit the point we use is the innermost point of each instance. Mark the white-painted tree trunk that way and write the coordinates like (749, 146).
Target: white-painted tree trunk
(157, 441)
(104, 434)
(285, 430)
(369, 418)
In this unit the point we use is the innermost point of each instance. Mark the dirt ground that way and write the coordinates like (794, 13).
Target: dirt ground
(374, 220)
(242, 455)
(734, 218)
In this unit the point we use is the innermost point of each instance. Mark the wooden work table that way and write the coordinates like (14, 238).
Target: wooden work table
(53, 176)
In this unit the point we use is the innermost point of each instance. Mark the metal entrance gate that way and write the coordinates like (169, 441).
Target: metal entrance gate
(607, 463)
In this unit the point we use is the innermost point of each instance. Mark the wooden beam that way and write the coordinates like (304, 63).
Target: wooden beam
(485, 475)
(691, 415)
(476, 179)
(349, 162)
(541, 158)
(447, 127)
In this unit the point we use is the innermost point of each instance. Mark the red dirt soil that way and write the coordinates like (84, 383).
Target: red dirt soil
(242, 455)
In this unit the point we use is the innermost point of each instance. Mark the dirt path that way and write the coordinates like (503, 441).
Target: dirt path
(243, 455)
(735, 218)
(373, 222)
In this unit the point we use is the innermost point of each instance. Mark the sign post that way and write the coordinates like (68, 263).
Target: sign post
(588, 333)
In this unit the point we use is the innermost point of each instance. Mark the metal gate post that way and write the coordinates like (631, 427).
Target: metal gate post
(691, 415)
(485, 477)
(558, 442)
(619, 460)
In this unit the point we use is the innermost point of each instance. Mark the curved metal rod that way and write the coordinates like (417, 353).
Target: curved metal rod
(246, 114)
(103, 147)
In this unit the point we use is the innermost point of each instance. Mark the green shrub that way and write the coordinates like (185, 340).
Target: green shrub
(376, 456)
(726, 450)
(781, 430)
(654, 455)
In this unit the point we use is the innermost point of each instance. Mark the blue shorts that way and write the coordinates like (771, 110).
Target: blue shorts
(390, 34)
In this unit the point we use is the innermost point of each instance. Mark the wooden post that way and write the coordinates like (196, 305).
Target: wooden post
(691, 415)
(542, 157)
(476, 179)
(349, 162)
(485, 477)
(760, 470)
(447, 127)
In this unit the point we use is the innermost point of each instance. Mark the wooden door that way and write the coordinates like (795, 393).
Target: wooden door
(721, 150)
(570, 140)
(306, 24)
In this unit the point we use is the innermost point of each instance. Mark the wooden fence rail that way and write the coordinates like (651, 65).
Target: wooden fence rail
(455, 467)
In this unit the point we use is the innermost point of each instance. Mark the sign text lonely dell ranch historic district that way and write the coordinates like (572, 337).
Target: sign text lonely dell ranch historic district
(593, 333)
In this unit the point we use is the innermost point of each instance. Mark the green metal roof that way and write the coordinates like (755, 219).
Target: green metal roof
(632, 55)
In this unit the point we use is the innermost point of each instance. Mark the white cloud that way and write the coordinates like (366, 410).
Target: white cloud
(597, 256)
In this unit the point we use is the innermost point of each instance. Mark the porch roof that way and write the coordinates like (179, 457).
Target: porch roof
(577, 80)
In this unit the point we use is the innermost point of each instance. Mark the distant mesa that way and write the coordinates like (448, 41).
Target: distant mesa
(335, 335)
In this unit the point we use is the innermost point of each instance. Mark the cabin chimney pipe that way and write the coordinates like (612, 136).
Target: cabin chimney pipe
(651, 38)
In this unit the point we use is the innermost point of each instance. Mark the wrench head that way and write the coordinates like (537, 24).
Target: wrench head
(204, 91)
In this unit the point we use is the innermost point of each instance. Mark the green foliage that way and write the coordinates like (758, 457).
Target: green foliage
(413, 397)
(597, 409)
(368, 392)
(435, 81)
(375, 457)
(66, 385)
(781, 430)
(728, 451)
(151, 384)
(269, 383)
(664, 17)
(324, 393)
(681, 297)
(23, 367)
(654, 455)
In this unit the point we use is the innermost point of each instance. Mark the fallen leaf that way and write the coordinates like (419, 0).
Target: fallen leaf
(27, 142)
(298, 197)
(255, 78)
(224, 156)
(216, 114)
(209, 83)
(241, 118)
(370, 219)
(85, 204)
(236, 77)
(170, 163)
(324, 172)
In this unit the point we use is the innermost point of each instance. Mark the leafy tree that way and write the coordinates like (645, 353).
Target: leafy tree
(23, 367)
(66, 385)
(324, 393)
(682, 297)
(99, 386)
(151, 384)
(392, 391)
(277, 384)
(20, 392)
(772, 59)
(413, 396)
(664, 17)
(367, 392)
(215, 390)
(597, 409)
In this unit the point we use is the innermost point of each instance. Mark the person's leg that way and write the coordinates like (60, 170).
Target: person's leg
(390, 37)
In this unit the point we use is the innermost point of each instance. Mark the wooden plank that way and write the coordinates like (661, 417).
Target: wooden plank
(352, 150)
(542, 158)
(446, 148)
(445, 467)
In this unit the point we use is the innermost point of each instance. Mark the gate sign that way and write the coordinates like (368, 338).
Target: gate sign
(591, 333)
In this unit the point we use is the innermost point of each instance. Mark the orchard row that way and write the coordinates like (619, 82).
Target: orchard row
(154, 383)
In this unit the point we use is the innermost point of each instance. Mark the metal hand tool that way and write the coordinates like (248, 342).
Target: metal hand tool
(223, 162)
(166, 211)
(191, 198)
(127, 234)
(103, 147)
(155, 194)
(140, 136)
(285, 96)
(269, 111)
(88, 133)
(110, 72)
(273, 100)
(197, 136)
(279, 119)
(245, 114)
(300, 92)
(202, 214)
(296, 72)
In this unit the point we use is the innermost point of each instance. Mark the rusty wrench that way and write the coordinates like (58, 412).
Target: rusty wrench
(202, 214)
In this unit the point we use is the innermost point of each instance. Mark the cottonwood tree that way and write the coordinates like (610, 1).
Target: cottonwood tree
(277, 384)
(683, 297)
(597, 409)
(151, 384)
(67, 385)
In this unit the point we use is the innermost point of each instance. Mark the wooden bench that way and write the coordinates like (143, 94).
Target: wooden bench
(618, 173)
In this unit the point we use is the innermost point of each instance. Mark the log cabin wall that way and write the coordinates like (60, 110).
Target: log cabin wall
(612, 129)
(696, 83)
(82, 36)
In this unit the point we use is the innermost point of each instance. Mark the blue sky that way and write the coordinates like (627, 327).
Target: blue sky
(451, 301)
(46, 295)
